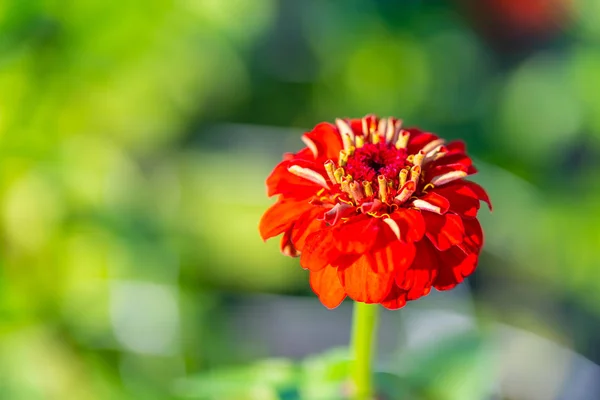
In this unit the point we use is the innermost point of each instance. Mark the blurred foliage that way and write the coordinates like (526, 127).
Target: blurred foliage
(318, 377)
(451, 370)
(135, 138)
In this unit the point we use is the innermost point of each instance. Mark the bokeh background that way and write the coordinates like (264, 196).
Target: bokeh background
(135, 137)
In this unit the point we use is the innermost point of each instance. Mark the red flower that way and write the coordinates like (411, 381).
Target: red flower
(376, 212)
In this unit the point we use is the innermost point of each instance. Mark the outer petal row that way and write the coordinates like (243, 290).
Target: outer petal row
(283, 182)
(327, 286)
(365, 276)
(280, 217)
(325, 141)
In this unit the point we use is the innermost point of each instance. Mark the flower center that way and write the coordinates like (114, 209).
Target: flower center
(373, 160)
(374, 173)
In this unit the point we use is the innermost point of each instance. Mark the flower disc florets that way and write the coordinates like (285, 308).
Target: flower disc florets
(378, 213)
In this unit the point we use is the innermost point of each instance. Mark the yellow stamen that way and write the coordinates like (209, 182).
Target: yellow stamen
(345, 186)
(360, 141)
(343, 158)
(418, 158)
(375, 138)
(402, 178)
(347, 141)
(368, 188)
(373, 126)
(402, 141)
(382, 187)
(415, 173)
(339, 175)
(330, 168)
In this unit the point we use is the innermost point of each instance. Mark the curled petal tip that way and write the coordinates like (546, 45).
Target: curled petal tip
(309, 175)
(393, 226)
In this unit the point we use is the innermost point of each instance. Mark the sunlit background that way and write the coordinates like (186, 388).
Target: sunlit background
(135, 137)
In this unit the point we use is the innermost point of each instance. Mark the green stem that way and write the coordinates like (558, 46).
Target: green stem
(363, 329)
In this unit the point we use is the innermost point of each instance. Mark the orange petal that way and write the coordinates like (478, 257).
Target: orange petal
(395, 256)
(318, 250)
(326, 285)
(280, 216)
(307, 223)
(356, 236)
(362, 283)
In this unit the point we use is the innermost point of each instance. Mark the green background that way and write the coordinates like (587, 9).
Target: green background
(135, 137)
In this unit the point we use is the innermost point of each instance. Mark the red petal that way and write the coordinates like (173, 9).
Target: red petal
(327, 140)
(356, 236)
(362, 283)
(280, 216)
(395, 299)
(417, 280)
(480, 192)
(445, 168)
(456, 146)
(281, 181)
(473, 240)
(453, 158)
(356, 125)
(304, 154)
(307, 223)
(340, 210)
(326, 285)
(463, 201)
(444, 231)
(394, 257)
(418, 140)
(411, 224)
(454, 266)
(437, 200)
(318, 251)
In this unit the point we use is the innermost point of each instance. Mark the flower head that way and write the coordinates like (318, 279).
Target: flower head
(377, 213)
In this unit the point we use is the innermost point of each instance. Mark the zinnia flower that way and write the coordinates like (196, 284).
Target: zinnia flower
(377, 213)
